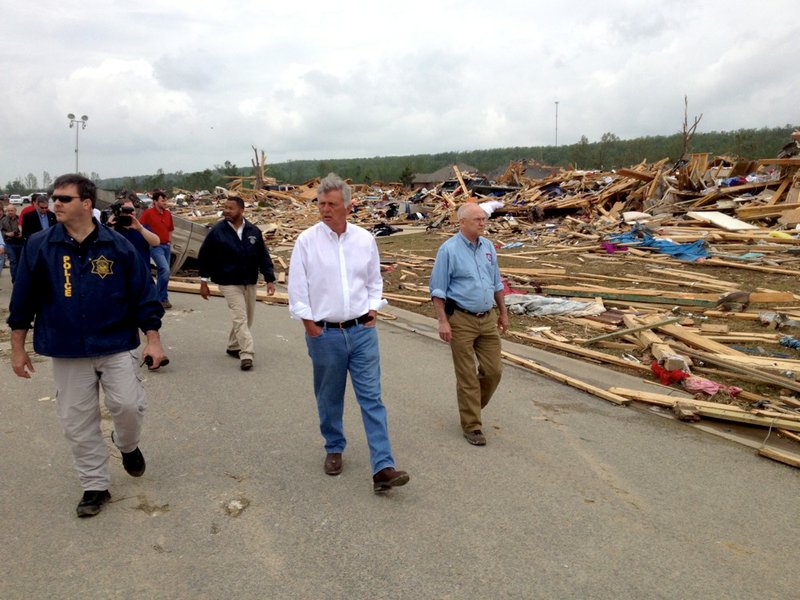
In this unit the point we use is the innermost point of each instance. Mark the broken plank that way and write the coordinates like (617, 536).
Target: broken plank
(793, 460)
(585, 352)
(631, 330)
(697, 341)
(194, 288)
(570, 381)
(653, 297)
(721, 220)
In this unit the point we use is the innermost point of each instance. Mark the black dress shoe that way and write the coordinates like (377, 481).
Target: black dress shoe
(387, 478)
(233, 353)
(91, 502)
(333, 463)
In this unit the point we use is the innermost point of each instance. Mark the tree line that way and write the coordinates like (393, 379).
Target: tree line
(609, 152)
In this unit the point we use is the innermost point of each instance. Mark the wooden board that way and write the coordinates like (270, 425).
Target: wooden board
(721, 220)
(194, 288)
(570, 381)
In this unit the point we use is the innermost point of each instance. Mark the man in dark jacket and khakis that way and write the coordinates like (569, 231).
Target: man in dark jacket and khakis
(231, 256)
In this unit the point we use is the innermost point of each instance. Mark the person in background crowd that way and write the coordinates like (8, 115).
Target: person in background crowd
(39, 219)
(158, 219)
(12, 234)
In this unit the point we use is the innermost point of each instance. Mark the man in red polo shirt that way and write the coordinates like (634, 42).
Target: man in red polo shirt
(158, 219)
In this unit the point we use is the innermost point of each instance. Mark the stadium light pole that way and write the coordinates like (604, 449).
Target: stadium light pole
(78, 124)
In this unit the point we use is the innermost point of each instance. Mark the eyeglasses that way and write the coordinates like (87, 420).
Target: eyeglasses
(64, 198)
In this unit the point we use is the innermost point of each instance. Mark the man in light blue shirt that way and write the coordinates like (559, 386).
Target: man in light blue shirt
(465, 288)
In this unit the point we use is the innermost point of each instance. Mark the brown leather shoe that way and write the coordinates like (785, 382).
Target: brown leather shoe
(247, 364)
(387, 478)
(333, 463)
(476, 438)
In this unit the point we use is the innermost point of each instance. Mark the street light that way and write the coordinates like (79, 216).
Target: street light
(78, 124)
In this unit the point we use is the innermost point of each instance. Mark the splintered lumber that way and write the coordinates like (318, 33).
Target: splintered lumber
(793, 460)
(185, 287)
(585, 352)
(570, 381)
(645, 337)
(721, 220)
(765, 210)
(460, 178)
(696, 341)
(649, 296)
(727, 263)
(631, 330)
(712, 410)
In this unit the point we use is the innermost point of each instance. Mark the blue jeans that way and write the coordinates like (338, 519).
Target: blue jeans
(160, 256)
(333, 354)
(13, 252)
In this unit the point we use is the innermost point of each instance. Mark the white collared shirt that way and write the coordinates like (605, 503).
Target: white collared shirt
(239, 230)
(332, 277)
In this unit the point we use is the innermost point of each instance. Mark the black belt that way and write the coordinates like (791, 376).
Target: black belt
(474, 314)
(365, 318)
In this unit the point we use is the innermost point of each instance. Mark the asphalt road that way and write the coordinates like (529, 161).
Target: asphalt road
(571, 498)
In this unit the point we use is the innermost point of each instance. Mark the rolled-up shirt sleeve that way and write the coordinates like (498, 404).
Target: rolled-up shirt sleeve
(440, 275)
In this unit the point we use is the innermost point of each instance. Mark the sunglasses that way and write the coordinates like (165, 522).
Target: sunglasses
(64, 198)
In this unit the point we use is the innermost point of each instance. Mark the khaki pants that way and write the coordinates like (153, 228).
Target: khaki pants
(241, 301)
(475, 337)
(78, 382)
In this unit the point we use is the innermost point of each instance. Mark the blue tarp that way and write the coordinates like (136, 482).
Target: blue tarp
(642, 236)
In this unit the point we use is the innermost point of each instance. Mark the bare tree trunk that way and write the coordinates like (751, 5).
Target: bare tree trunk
(258, 169)
(688, 132)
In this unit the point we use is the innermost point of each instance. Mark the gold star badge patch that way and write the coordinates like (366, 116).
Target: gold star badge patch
(102, 266)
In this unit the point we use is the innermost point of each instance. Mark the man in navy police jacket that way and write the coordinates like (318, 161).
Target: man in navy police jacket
(231, 256)
(85, 291)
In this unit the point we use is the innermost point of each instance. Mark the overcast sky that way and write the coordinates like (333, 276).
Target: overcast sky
(184, 85)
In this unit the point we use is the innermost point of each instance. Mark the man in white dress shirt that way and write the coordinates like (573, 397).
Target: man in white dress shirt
(335, 288)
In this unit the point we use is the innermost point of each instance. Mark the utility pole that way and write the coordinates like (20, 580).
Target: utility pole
(556, 123)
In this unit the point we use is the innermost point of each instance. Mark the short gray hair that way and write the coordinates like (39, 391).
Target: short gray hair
(333, 183)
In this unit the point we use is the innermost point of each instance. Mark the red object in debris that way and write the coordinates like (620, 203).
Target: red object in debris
(507, 289)
(667, 377)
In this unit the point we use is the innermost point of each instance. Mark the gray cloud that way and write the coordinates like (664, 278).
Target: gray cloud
(196, 83)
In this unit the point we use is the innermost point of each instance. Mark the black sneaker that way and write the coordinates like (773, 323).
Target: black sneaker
(91, 502)
(132, 461)
(233, 353)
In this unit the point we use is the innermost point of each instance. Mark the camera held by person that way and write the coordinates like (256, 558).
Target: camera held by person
(119, 215)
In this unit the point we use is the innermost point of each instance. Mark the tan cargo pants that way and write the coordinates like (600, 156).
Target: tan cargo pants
(78, 382)
(241, 301)
(475, 338)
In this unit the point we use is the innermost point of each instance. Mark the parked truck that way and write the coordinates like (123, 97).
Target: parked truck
(186, 239)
